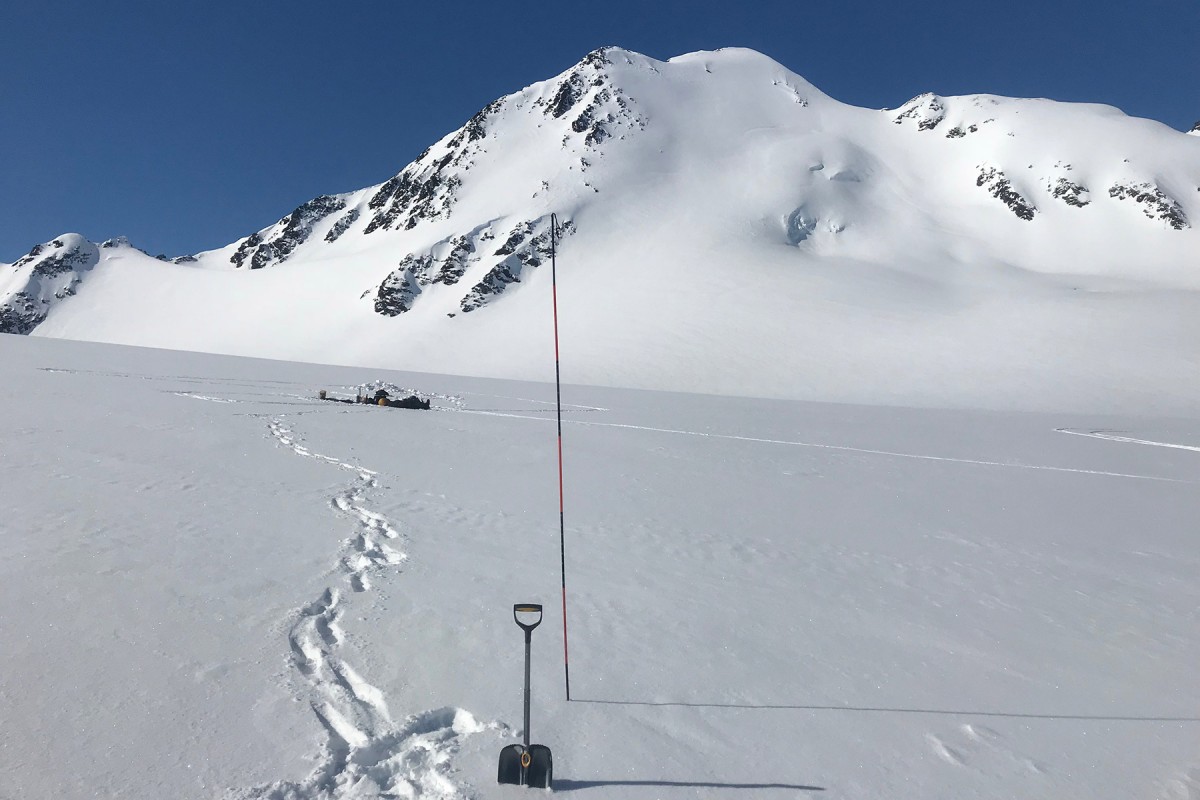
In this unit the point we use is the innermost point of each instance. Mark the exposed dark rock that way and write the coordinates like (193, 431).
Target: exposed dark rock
(476, 127)
(56, 264)
(999, 187)
(570, 91)
(396, 293)
(527, 245)
(1070, 193)
(957, 132)
(342, 225)
(184, 260)
(598, 58)
(455, 264)
(247, 247)
(427, 188)
(420, 192)
(493, 283)
(20, 314)
(1155, 203)
(54, 272)
(601, 105)
(522, 249)
(287, 234)
(927, 109)
(514, 240)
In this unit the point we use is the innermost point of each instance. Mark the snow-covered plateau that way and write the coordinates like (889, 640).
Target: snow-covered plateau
(727, 228)
(218, 586)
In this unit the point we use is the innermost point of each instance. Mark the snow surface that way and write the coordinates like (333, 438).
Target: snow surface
(735, 231)
(218, 586)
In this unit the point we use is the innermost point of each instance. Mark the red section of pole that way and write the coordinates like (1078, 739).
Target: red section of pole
(562, 537)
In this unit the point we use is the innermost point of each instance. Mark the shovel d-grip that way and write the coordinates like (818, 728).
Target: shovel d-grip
(526, 764)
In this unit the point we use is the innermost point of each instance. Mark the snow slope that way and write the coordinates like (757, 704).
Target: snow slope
(728, 228)
(218, 586)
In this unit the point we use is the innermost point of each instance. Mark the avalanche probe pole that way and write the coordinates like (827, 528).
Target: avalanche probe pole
(562, 537)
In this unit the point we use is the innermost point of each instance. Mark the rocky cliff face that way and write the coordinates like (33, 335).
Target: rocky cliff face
(50, 273)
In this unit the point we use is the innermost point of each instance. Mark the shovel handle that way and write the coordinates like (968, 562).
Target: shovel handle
(527, 608)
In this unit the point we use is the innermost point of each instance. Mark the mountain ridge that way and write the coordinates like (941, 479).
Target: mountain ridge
(680, 184)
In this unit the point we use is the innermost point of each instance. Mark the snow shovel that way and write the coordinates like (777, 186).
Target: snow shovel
(526, 764)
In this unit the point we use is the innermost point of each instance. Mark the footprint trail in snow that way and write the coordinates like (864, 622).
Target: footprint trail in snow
(366, 754)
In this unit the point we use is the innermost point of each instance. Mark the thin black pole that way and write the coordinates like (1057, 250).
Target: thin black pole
(528, 636)
(562, 536)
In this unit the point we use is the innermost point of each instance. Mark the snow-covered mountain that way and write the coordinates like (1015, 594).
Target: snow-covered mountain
(726, 227)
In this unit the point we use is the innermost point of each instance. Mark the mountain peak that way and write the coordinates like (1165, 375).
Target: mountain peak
(1195, 131)
(49, 273)
(717, 188)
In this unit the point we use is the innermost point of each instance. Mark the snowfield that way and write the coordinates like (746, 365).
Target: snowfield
(218, 586)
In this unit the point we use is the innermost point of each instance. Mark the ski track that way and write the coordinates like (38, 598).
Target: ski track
(366, 754)
(848, 449)
(204, 397)
(1113, 437)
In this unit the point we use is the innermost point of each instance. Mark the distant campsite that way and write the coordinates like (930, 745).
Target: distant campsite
(381, 397)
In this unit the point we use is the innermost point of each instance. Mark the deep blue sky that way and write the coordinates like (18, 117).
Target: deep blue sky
(186, 125)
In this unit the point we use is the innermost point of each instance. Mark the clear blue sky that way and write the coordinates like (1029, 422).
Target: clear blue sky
(186, 125)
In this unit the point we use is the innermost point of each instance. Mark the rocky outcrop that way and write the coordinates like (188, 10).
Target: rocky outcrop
(1071, 193)
(525, 245)
(926, 111)
(342, 225)
(598, 109)
(49, 273)
(1000, 187)
(958, 132)
(273, 245)
(395, 295)
(427, 188)
(1154, 202)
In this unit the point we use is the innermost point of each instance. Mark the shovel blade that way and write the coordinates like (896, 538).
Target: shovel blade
(510, 769)
(540, 773)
